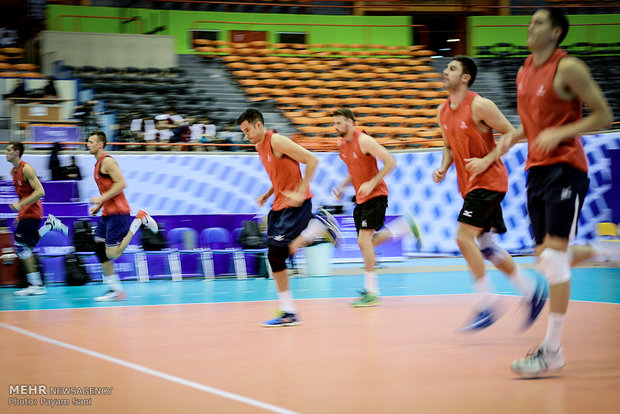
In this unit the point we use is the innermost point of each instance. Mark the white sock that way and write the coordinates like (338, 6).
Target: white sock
(485, 298)
(523, 285)
(34, 279)
(286, 302)
(314, 230)
(371, 283)
(44, 229)
(399, 228)
(113, 282)
(555, 324)
(135, 225)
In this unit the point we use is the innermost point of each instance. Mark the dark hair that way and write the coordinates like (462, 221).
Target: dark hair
(469, 67)
(558, 19)
(346, 112)
(252, 116)
(17, 146)
(100, 136)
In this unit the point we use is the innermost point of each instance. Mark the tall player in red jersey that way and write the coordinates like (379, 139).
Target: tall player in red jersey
(360, 153)
(29, 214)
(289, 224)
(551, 90)
(467, 121)
(115, 229)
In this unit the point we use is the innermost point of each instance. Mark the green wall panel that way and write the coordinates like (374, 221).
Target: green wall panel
(178, 23)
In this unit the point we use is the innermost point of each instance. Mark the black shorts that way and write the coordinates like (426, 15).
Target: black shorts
(555, 195)
(371, 214)
(27, 232)
(483, 209)
(283, 226)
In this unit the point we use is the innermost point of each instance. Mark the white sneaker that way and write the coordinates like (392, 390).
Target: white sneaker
(57, 224)
(332, 232)
(538, 362)
(31, 291)
(112, 296)
(148, 221)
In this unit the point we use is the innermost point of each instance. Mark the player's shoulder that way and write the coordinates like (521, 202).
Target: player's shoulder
(480, 102)
(572, 63)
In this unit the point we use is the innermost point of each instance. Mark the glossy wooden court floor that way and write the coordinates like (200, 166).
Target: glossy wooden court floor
(197, 347)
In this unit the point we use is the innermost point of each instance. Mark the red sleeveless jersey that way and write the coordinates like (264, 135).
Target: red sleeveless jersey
(362, 167)
(117, 204)
(540, 108)
(467, 141)
(284, 172)
(23, 190)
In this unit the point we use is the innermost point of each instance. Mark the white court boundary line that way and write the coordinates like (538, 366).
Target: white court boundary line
(149, 371)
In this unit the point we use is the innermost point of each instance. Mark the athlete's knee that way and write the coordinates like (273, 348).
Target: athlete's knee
(491, 251)
(277, 256)
(24, 251)
(555, 265)
(365, 236)
(100, 252)
(464, 238)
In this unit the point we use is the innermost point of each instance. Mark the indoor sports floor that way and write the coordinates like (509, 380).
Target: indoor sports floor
(196, 347)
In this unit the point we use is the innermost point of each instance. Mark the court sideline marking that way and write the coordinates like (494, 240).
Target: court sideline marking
(149, 371)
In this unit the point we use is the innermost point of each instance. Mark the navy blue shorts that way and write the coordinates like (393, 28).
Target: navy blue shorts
(113, 229)
(283, 226)
(27, 232)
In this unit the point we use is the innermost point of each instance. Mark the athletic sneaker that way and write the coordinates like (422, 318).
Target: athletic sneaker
(112, 296)
(415, 230)
(332, 232)
(366, 300)
(481, 320)
(536, 304)
(538, 362)
(283, 319)
(31, 291)
(148, 221)
(57, 224)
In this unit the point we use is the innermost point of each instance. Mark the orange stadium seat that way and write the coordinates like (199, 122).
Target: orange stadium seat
(30, 75)
(13, 52)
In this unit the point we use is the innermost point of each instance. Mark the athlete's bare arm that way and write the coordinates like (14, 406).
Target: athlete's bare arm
(370, 146)
(573, 80)
(282, 145)
(31, 176)
(487, 116)
(448, 158)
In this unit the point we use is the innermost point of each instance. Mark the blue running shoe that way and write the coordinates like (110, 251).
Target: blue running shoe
(537, 303)
(332, 232)
(283, 319)
(481, 320)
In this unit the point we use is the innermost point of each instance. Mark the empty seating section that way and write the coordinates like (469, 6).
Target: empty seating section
(393, 90)
(212, 253)
(158, 89)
